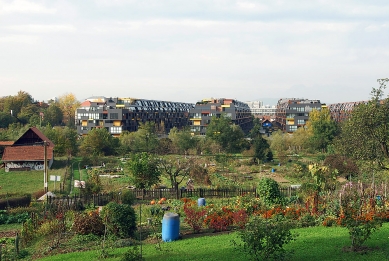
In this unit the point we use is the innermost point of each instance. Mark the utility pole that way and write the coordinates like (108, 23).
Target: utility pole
(45, 143)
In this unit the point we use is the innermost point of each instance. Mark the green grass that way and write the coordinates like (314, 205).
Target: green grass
(315, 243)
(21, 182)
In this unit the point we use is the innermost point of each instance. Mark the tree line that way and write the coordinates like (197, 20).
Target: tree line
(363, 137)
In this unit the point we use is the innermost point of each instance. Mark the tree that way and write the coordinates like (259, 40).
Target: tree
(98, 142)
(53, 115)
(145, 138)
(279, 143)
(343, 165)
(300, 139)
(261, 149)
(182, 140)
(261, 146)
(230, 137)
(176, 169)
(68, 104)
(6, 119)
(322, 129)
(64, 138)
(364, 136)
(144, 169)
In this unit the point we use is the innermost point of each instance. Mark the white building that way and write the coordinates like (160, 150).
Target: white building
(259, 110)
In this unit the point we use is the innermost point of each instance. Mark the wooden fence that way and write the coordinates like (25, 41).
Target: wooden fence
(149, 194)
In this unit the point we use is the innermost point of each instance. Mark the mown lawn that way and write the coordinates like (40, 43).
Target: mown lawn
(315, 243)
(21, 182)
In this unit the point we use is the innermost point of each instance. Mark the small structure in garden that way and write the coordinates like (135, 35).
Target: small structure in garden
(29, 152)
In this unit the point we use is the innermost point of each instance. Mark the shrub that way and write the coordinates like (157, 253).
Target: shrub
(358, 213)
(132, 254)
(264, 239)
(194, 216)
(88, 223)
(269, 191)
(119, 218)
(219, 219)
(128, 197)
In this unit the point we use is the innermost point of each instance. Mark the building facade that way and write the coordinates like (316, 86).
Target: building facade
(202, 113)
(125, 114)
(292, 113)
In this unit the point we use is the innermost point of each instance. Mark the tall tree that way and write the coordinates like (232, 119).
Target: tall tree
(364, 136)
(68, 104)
(260, 145)
(52, 115)
(322, 129)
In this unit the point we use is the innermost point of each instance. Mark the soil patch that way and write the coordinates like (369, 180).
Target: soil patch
(361, 249)
(273, 175)
(11, 233)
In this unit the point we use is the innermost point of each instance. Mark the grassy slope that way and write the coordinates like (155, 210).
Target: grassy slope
(316, 243)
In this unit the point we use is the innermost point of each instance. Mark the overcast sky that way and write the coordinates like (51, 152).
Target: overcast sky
(187, 50)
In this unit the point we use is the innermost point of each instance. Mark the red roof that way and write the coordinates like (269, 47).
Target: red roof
(26, 153)
(29, 147)
(85, 104)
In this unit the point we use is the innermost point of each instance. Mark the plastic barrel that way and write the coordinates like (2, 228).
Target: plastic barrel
(170, 227)
(273, 170)
(201, 202)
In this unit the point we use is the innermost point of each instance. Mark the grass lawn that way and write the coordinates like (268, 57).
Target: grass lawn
(315, 243)
(21, 182)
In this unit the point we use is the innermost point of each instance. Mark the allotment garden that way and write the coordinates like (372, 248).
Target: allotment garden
(294, 210)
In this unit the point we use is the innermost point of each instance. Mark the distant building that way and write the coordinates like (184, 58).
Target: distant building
(293, 113)
(342, 111)
(202, 113)
(125, 114)
(262, 111)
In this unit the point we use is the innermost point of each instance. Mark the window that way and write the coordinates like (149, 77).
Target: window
(301, 121)
(292, 128)
(115, 130)
(114, 116)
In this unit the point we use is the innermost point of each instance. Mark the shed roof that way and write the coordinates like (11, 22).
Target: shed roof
(26, 153)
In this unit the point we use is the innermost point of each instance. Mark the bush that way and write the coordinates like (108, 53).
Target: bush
(128, 197)
(120, 219)
(269, 191)
(264, 239)
(194, 216)
(88, 223)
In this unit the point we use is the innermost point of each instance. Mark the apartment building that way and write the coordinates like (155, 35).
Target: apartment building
(202, 113)
(125, 114)
(292, 113)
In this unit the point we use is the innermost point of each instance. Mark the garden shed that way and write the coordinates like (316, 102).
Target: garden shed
(29, 152)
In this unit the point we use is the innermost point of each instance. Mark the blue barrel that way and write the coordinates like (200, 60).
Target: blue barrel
(201, 202)
(273, 170)
(170, 227)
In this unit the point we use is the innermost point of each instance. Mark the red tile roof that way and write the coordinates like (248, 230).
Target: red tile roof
(26, 153)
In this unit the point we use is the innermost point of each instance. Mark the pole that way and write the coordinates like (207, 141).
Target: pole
(45, 167)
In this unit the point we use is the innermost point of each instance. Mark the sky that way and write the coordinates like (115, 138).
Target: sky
(185, 51)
